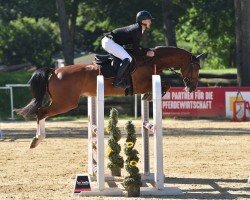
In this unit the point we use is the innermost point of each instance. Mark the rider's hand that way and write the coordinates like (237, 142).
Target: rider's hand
(150, 53)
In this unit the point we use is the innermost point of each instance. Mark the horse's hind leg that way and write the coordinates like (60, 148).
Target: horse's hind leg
(43, 113)
(40, 133)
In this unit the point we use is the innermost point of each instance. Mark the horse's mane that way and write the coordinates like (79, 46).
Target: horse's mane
(159, 50)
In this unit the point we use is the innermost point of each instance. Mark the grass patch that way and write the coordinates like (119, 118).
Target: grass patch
(219, 71)
(89, 58)
(68, 118)
(14, 77)
(212, 71)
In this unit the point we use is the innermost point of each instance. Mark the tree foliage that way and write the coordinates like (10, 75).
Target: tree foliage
(28, 40)
(98, 17)
(200, 25)
(15, 9)
(208, 27)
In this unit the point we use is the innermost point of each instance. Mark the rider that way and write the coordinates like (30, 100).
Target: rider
(129, 35)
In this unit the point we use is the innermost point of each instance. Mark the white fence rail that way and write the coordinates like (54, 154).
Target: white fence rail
(10, 87)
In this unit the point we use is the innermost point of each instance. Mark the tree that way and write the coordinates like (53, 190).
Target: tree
(242, 14)
(198, 26)
(67, 28)
(28, 40)
(15, 9)
(103, 16)
(169, 22)
(208, 26)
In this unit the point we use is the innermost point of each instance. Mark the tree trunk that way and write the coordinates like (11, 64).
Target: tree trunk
(74, 11)
(242, 14)
(169, 22)
(67, 43)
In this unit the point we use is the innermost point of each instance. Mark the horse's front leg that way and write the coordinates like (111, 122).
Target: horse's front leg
(40, 133)
(165, 86)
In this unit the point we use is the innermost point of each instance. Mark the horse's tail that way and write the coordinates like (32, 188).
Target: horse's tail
(39, 87)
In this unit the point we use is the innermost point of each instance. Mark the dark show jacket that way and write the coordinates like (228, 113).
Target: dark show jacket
(129, 35)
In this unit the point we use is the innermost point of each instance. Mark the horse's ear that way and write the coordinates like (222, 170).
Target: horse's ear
(204, 55)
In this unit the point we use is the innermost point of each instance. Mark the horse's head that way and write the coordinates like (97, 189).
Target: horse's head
(190, 73)
(176, 58)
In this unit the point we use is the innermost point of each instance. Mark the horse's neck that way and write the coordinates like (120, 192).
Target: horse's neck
(172, 60)
(171, 56)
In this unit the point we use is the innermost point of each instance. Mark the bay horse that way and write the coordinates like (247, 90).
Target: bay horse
(65, 85)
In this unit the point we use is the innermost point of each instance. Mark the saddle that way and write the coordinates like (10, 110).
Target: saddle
(109, 65)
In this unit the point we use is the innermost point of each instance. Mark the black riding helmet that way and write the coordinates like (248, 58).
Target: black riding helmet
(142, 15)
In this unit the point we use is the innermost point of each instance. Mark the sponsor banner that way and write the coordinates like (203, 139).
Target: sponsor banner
(204, 102)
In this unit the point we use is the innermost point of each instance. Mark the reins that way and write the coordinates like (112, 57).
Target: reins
(186, 80)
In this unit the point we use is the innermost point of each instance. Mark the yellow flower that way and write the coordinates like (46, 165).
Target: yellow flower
(107, 129)
(129, 144)
(133, 163)
(108, 151)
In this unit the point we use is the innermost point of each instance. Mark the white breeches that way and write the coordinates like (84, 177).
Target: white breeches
(115, 49)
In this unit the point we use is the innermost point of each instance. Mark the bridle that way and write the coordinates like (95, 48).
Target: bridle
(186, 79)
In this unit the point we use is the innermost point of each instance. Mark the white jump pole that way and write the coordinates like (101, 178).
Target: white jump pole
(96, 144)
(158, 147)
(100, 132)
(145, 139)
(96, 118)
(156, 128)
(135, 110)
(91, 120)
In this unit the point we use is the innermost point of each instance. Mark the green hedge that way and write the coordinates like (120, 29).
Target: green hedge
(21, 95)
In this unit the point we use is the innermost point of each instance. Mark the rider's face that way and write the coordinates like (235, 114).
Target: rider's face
(147, 22)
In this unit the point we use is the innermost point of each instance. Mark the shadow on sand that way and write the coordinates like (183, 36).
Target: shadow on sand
(214, 188)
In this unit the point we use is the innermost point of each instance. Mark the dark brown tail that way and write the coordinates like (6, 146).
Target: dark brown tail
(38, 85)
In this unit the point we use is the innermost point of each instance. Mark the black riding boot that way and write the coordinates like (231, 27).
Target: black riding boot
(119, 83)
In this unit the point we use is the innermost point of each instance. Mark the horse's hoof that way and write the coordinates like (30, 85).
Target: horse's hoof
(34, 142)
